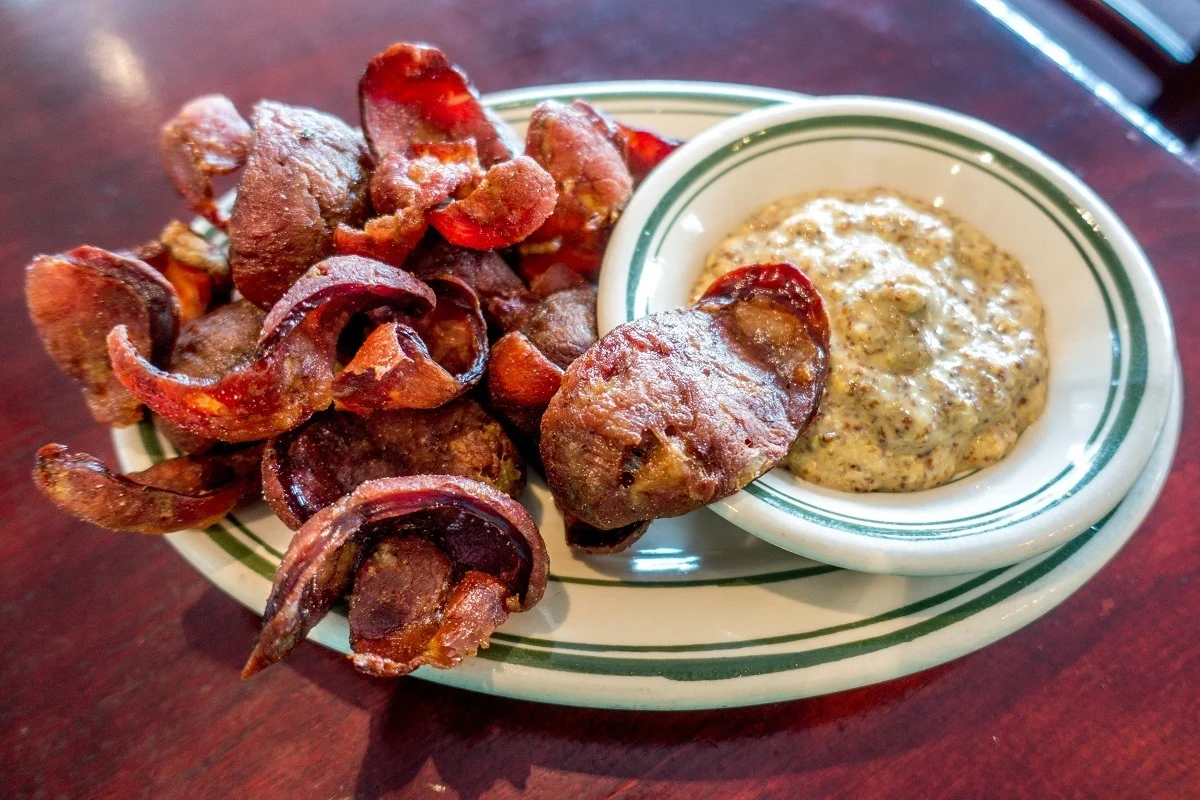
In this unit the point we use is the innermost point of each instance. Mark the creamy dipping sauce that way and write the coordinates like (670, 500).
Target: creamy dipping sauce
(938, 357)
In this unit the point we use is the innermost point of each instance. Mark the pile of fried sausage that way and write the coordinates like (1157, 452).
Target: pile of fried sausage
(405, 317)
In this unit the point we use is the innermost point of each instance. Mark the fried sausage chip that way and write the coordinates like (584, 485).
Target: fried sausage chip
(522, 379)
(77, 297)
(291, 373)
(306, 175)
(549, 327)
(679, 409)
(389, 238)
(778, 315)
(558, 317)
(207, 137)
(513, 200)
(411, 93)
(524, 374)
(419, 361)
(642, 150)
(520, 383)
(404, 188)
(424, 176)
(211, 345)
(485, 271)
(310, 467)
(485, 212)
(179, 493)
(196, 268)
(593, 184)
(441, 561)
(407, 609)
(207, 348)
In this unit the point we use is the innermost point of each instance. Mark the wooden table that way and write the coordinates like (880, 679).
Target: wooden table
(119, 674)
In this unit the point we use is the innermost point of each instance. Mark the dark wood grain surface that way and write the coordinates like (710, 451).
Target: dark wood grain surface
(119, 673)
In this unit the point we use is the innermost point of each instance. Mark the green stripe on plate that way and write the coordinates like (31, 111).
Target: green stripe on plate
(252, 536)
(239, 552)
(149, 439)
(896, 613)
(714, 113)
(740, 580)
(741, 666)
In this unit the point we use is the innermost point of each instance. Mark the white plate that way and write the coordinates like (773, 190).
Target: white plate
(1108, 329)
(698, 614)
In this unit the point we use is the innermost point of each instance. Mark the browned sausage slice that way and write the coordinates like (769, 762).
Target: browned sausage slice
(674, 411)
(306, 175)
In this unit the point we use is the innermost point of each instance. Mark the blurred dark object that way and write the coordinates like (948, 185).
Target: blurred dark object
(1172, 59)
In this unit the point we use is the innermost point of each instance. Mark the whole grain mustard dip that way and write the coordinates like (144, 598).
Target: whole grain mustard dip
(938, 352)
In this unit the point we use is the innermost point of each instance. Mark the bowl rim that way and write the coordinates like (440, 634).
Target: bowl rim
(775, 517)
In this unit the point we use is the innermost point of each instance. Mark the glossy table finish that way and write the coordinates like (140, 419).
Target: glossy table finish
(119, 672)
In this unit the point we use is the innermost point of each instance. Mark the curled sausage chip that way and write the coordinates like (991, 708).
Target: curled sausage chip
(513, 200)
(521, 373)
(593, 184)
(455, 330)
(394, 369)
(309, 468)
(411, 93)
(211, 345)
(179, 493)
(419, 605)
(777, 314)
(291, 374)
(77, 297)
(207, 137)
(419, 362)
(196, 268)
(306, 175)
(404, 188)
(679, 409)
(207, 348)
(492, 210)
